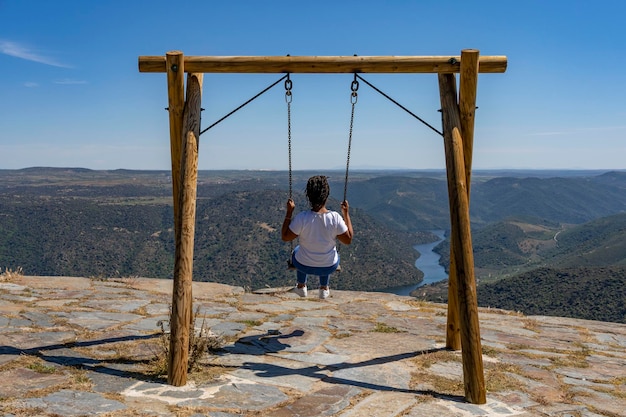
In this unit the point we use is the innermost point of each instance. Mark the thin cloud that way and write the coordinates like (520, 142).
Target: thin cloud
(19, 51)
(582, 129)
(70, 82)
(550, 133)
(30, 84)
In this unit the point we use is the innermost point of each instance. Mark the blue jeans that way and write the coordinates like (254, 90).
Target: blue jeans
(321, 271)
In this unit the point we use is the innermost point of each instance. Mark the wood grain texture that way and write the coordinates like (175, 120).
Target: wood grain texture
(176, 104)
(473, 372)
(467, 106)
(182, 300)
(323, 64)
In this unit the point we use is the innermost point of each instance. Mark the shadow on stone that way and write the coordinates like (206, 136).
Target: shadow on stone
(63, 355)
(324, 373)
(261, 344)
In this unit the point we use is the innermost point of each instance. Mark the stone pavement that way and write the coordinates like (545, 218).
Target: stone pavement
(86, 347)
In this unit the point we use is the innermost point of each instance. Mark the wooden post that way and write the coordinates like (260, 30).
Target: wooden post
(473, 376)
(181, 319)
(176, 101)
(453, 328)
(467, 109)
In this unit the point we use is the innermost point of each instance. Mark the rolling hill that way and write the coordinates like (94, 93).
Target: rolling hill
(99, 225)
(578, 272)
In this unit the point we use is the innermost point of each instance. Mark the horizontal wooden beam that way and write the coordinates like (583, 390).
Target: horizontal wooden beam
(323, 64)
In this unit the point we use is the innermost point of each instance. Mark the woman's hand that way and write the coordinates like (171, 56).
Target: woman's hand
(346, 238)
(345, 208)
(286, 233)
(290, 207)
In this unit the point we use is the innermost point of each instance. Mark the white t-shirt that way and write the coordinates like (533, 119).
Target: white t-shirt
(316, 234)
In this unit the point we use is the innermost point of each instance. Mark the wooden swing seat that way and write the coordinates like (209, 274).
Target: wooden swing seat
(291, 267)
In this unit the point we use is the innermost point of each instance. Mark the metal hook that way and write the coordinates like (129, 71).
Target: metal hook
(354, 87)
(288, 86)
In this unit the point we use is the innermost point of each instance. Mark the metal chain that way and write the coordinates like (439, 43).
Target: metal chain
(400, 105)
(244, 104)
(353, 99)
(288, 99)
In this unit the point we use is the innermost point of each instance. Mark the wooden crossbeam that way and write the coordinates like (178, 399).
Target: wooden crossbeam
(323, 64)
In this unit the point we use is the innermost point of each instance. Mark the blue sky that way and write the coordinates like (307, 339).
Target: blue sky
(71, 93)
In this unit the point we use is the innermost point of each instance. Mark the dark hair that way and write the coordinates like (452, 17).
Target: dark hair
(317, 190)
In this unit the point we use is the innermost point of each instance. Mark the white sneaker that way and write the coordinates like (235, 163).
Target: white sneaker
(324, 294)
(302, 292)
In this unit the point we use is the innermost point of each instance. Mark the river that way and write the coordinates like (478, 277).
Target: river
(428, 263)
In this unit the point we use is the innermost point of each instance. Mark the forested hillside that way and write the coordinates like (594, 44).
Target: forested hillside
(119, 223)
(600, 242)
(538, 269)
(594, 293)
(97, 227)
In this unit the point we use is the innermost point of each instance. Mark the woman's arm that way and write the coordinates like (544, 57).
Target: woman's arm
(286, 234)
(346, 237)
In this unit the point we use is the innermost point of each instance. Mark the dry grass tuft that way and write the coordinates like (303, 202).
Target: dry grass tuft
(12, 274)
(251, 323)
(499, 377)
(490, 351)
(434, 382)
(201, 343)
(530, 324)
(383, 328)
(40, 367)
(130, 281)
(573, 358)
(428, 359)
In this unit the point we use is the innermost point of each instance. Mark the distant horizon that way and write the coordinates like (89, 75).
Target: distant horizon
(355, 169)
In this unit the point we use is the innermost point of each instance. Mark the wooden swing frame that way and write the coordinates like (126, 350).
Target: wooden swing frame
(458, 114)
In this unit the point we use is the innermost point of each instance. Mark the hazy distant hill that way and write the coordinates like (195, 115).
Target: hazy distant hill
(404, 202)
(410, 202)
(564, 200)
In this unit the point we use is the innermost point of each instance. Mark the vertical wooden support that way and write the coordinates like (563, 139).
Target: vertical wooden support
(176, 102)
(453, 327)
(181, 319)
(467, 109)
(461, 238)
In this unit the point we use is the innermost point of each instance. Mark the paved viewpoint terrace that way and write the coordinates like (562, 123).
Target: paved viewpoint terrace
(86, 347)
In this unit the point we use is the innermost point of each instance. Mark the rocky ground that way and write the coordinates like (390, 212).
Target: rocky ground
(87, 347)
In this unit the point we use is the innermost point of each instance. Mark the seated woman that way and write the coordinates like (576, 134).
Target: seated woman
(317, 230)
